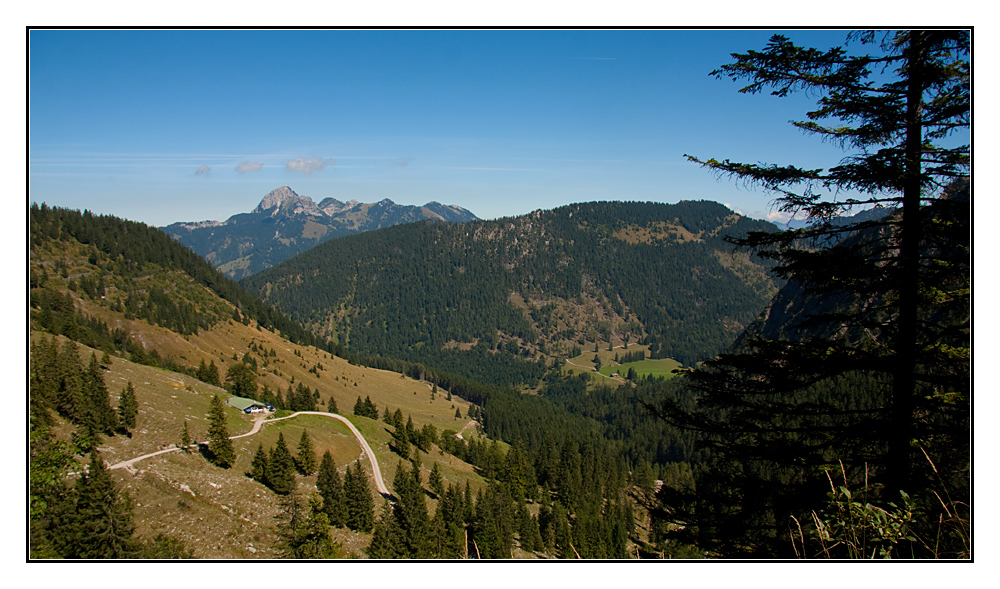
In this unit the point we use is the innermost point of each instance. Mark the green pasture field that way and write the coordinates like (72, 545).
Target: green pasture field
(584, 363)
(663, 367)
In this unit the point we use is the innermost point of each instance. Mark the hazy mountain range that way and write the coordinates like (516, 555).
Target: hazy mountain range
(286, 223)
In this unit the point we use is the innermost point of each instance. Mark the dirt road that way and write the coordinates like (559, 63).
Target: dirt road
(262, 421)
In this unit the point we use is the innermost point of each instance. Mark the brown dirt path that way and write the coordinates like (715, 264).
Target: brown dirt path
(262, 421)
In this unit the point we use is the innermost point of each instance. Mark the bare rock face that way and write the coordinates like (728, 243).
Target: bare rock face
(275, 198)
(285, 199)
(332, 206)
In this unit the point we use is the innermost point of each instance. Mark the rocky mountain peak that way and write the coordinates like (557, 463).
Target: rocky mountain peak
(285, 199)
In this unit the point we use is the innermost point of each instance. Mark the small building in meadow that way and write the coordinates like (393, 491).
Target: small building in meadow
(247, 406)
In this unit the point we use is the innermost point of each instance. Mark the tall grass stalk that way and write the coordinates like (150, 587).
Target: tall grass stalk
(851, 527)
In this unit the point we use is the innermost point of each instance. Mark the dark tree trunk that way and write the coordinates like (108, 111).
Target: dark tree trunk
(910, 235)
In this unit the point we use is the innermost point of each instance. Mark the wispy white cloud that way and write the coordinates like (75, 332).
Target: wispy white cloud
(783, 217)
(203, 171)
(245, 167)
(308, 165)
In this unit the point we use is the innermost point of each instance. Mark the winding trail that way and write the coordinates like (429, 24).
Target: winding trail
(262, 421)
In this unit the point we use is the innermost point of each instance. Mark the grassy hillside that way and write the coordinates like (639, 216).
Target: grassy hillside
(220, 513)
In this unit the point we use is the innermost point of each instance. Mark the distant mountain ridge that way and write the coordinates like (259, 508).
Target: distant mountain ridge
(285, 224)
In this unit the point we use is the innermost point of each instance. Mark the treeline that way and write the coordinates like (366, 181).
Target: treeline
(629, 357)
(57, 314)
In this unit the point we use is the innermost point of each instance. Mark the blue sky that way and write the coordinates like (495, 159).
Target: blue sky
(165, 126)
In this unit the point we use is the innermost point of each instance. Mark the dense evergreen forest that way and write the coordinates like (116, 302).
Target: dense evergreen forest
(662, 274)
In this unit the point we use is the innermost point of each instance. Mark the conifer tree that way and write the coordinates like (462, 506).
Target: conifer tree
(98, 403)
(128, 408)
(212, 374)
(331, 490)
(448, 538)
(42, 381)
(258, 467)
(281, 468)
(305, 529)
(51, 502)
(331, 405)
(467, 503)
(435, 481)
(387, 541)
(69, 390)
(305, 457)
(103, 520)
(241, 381)
(546, 527)
(200, 374)
(416, 471)
(516, 474)
(561, 531)
(401, 442)
(890, 329)
(493, 522)
(358, 500)
(185, 438)
(527, 529)
(410, 513)
(218, 434)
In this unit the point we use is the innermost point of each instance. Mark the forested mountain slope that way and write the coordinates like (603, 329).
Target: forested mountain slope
(285, 224)
(594, 274)
(120, 311)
